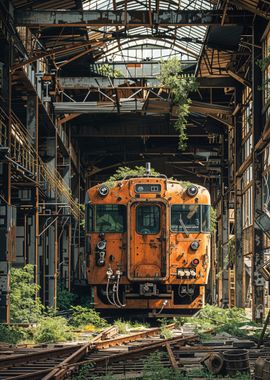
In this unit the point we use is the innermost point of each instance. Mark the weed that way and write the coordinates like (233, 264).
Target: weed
(52, 330)
(65, 299)
(153, 369)
(82, 373)
(12, 334)
(24, 307)
(124, 327)
(86, 316)
(165, 332)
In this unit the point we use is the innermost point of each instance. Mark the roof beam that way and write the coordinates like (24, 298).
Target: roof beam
(80, 83)
(57, 18)
(119, 130)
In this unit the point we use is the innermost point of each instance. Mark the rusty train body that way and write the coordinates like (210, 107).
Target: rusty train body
(148, 245)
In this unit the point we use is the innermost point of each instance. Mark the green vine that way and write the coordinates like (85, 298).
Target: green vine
(109, 71)
(263, 64)
(171, 76)
(125, 171)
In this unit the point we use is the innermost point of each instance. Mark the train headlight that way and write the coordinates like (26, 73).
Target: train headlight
(101, 245)
(192, 191)
(194, 245)
(103, 190)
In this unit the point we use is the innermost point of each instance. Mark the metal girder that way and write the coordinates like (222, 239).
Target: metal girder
(116, 131)
(55, 18)
(80, 83)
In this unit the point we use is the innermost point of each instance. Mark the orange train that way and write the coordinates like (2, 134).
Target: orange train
(148, 245)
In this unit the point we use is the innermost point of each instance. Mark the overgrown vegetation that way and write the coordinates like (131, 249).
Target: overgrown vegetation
(65, 299)
(13, 335)
(171, 76)
(125, 326)
(215, 319)
(86, 316)
(52, 330)
(125, 171)
(109, 71)
(25, 307)
(166, 333)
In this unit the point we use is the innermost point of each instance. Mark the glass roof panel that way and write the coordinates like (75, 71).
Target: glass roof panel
(141, 43)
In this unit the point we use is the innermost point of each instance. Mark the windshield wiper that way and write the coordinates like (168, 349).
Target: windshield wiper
(183, 226)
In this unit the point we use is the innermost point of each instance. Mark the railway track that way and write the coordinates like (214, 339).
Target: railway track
(54, 363)
(121, 356)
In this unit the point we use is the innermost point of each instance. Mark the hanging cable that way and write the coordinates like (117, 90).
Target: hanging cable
(118, 274)
(109, 275)
(162, 307)
(113, 297)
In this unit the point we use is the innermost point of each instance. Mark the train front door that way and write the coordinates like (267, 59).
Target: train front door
(147, 241)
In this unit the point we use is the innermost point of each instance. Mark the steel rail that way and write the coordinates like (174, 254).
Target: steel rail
(60, 370)
(127, 354)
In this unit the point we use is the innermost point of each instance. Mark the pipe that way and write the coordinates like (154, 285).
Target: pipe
(162, 307)
(114, 292)
(118, 273)
(109, 275)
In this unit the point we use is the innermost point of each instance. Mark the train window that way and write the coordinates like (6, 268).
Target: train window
(205, 218)
(185, 218)
(148, 219)
(107, 218)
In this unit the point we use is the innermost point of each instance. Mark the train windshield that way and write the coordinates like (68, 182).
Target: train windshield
(107, 218)
(190, 218)
(148, 219)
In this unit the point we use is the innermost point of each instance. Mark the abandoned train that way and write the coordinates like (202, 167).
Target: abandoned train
(148, 244)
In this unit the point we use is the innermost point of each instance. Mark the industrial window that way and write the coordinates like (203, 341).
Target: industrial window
(247, 121)
(106, 218)
(266, 178)
(247, 205)
(266, 73)
(206, 217)
(185, 218)
(148, 219)
(191, 216)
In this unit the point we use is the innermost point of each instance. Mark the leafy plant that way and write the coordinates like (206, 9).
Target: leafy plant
(52, 330)
(200, 372)
(12, 334)
(86, 316)
(65, 299)
(220, 320)
(166, 333)
(125, 171)
(122, 326)
(153, 369)
(109, 71)
(171, 76)
(24, 306)
(82, 372)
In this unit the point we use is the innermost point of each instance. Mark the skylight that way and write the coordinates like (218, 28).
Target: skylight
(144, 43)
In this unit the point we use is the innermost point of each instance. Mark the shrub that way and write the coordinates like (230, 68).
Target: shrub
(125, 171)
(171, 76)
(86, 316)
(52, 330)
(65, 299)
(12, 334)
(24, 307)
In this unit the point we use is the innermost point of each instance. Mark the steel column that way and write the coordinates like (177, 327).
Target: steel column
(258, 249)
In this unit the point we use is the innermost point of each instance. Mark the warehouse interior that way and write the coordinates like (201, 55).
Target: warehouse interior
(65, 126)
